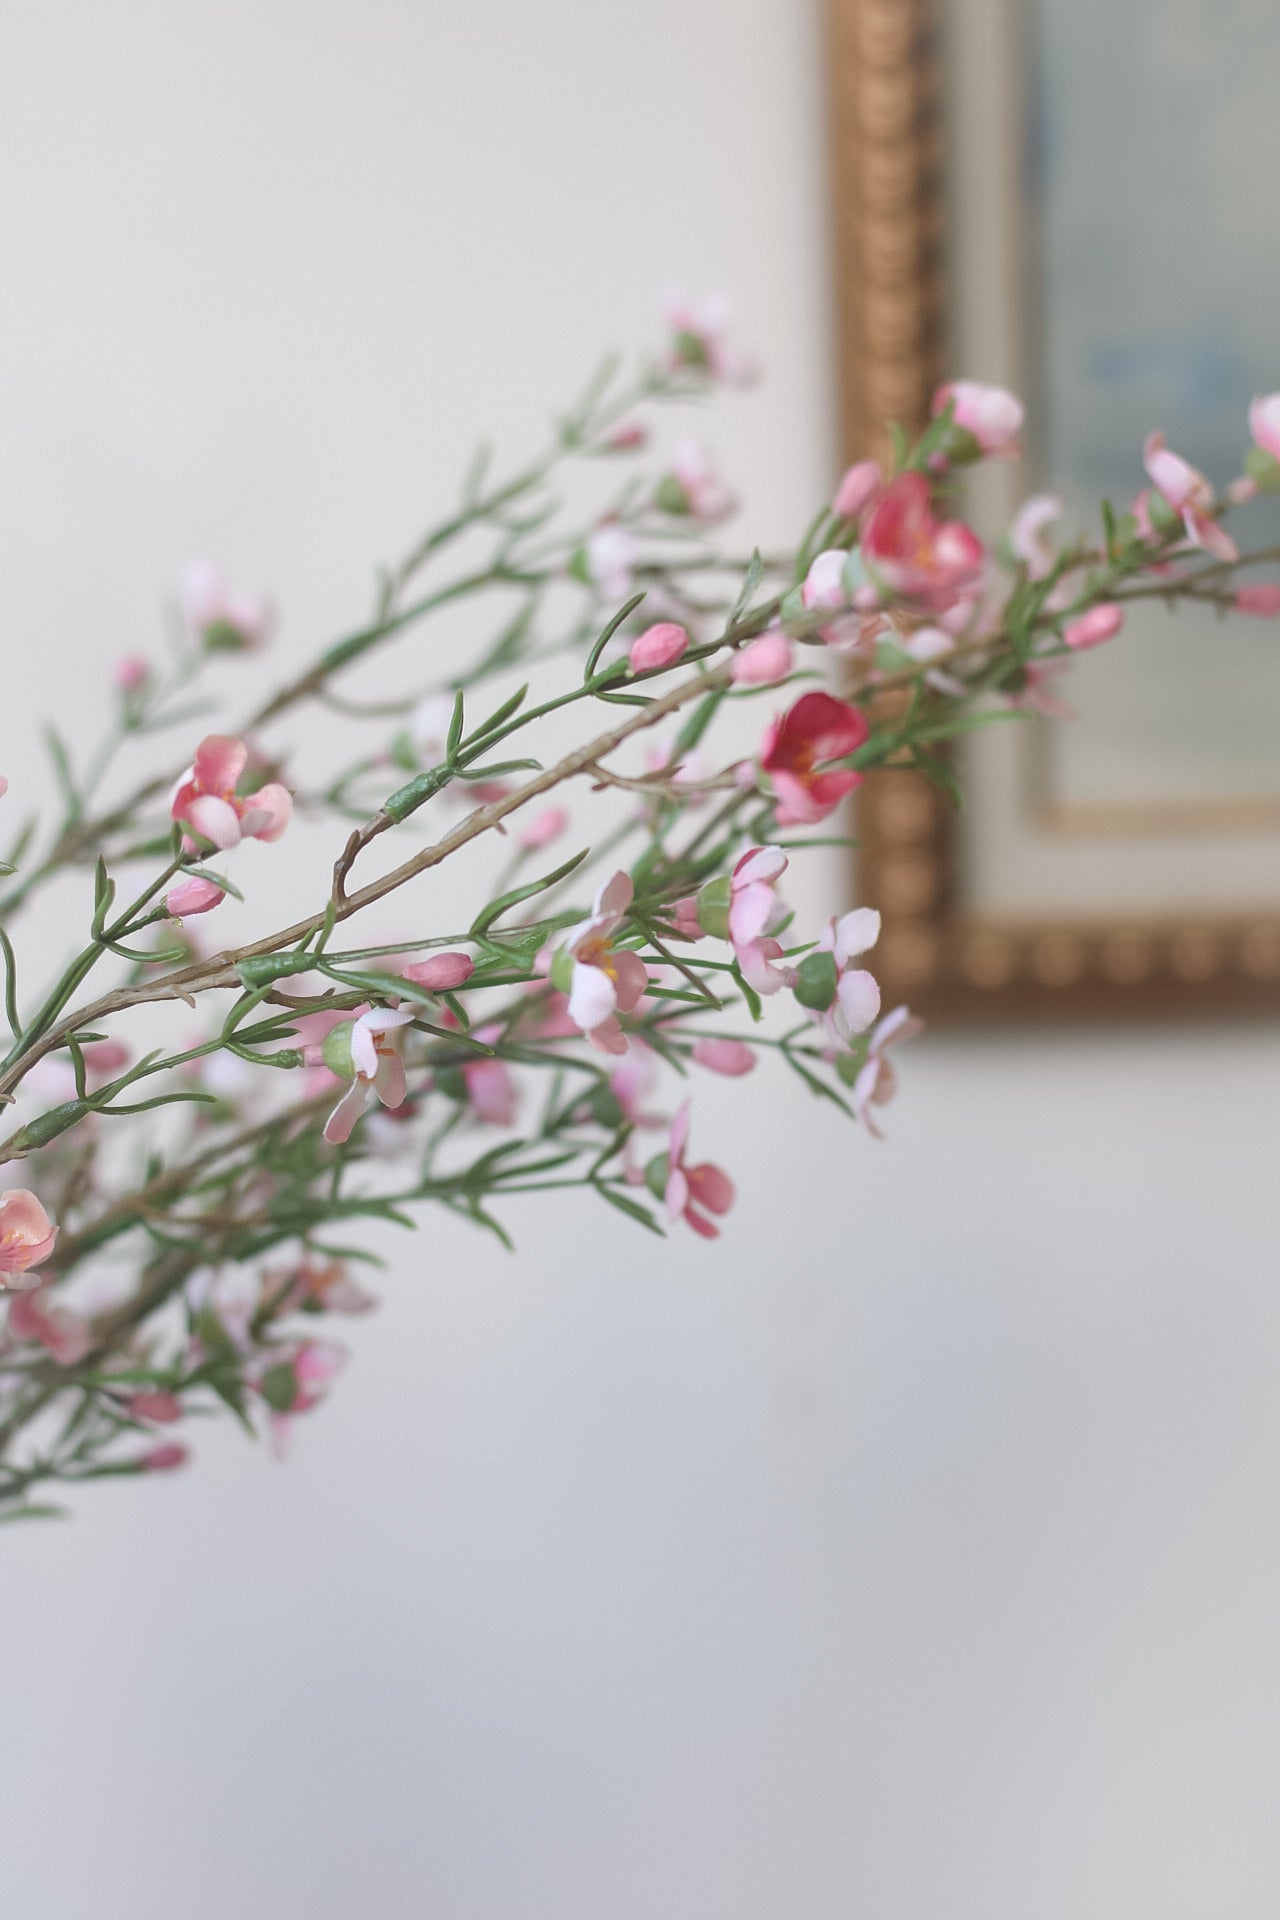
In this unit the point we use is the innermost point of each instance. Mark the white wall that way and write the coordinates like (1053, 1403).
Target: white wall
(914, 1551)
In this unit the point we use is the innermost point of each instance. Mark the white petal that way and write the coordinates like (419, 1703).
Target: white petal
(591, 997)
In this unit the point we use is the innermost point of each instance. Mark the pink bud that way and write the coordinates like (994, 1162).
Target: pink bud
(164, 1459)
(193, 896)
(158, 1406)
(442, 972)
(731, 1057)
(856, 489)
(131, 672)
(543, 829)
(658, 647)
(1092, 628)
(627, 436)
(1263, 600)
(763, 661)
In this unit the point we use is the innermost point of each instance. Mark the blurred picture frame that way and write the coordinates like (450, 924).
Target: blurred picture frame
(1133, 871)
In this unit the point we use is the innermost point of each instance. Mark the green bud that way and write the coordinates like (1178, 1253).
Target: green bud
(336, 1049)
(816, 981)
(656, 1175)
(222, 637)
(690, 350)
(562, 965)
(670, 495)
(279, 1388)
(1264, 468)
(713, 906)
(958, 446)
(1163, 518)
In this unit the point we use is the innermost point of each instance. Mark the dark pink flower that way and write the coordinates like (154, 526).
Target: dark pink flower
(799, 743)
(913, 554)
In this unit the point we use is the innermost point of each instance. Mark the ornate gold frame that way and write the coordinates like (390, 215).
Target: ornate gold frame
(886, 80)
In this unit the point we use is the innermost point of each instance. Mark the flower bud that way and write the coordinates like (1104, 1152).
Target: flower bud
(336, 1050)
(817, 978)
(713, 906)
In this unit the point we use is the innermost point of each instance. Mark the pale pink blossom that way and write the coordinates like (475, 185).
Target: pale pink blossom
(694, 487)
(205, 797)
(165, 1458)
(26, 1237)
(328, 1285)
(699, 329)
(63, 1332)
(743, 908)
(1027, 534)
(1092, 628)
(601, 980)
(368, 1049)
(911, 553)
(1264, 423)
(1189, 494)
(543, 829)
(196, 895)
(131, 672)
(219, 617)
(763, 662)
(626, 437)
(1263, 599)
(611, 555)
(691, 1193)
(798, 745)
(876, 1083)
(658, 647)
(857, 489)
(730, 1057)
(857, 995)
(993, 415)
(441, 973)
(155, 1405)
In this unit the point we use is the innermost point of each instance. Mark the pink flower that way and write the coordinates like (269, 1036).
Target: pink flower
(26, 1236)
(543, 829)
(765, 661)
(699, 328)
(876, 1083)
(694, 487)
(364, 1047)
(601, 980)
(218, 617)
(131, 672)
(742, 907)
(658, 647)
(1262, 599)
(1027, 534)
(611, 554)
(1264, 423)
(857, 489)
(205, 798)
(193, 896)
(730, 1057)
(854, 993)
(691, 1190)
(154, 1405)
(1092, 628)
(491, 1090)
(164, 1459)
(913, 554)
(816, 730)
(441, 973)
(328, 1286)
(993, 415)
(1189, 494)
(66, 1334)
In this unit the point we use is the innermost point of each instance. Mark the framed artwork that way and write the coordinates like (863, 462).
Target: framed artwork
(1007, 207)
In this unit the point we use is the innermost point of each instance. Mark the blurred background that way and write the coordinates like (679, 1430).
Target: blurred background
(911, 1551)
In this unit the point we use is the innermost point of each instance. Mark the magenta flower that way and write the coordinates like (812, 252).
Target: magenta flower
(993, 415)
(365, 1048)
(26, 1237)
(1189, 494)
(205, 798)
(601, 980)
(798, 743)
(658, 647)
(1092, 628)
(877, 1083)
(911, 553)
(693, 1192)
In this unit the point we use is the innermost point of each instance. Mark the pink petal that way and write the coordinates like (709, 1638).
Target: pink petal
(193, 896)
(763, 662)
(215, 819)
(858, 487)
(855, 933)
(859, 997)
(608, 1037)
(348, 1110)
(592, 997)
(442, 972)
(631, 979)
(710, 1187)
(270, 811)
(219, 762)
(730, 1057)
(389, 1082)
(750, 911)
